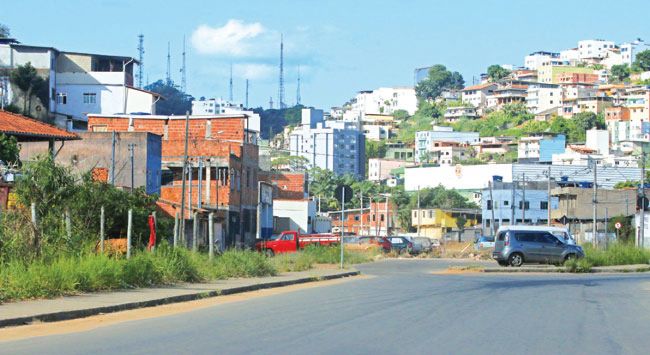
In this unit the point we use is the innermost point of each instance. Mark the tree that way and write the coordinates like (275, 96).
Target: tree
(26, 79)
(626, 233)
(400, 115)
(619, 72)
(439, 79)
(375, 149)
(460, 223)
(8, 149)
(496, 72)
(294, 162)
(4, 31)
(642, 61)
(175, 101)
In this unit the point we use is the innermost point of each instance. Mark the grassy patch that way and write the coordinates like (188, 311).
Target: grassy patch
(617, 254)
(316, 254)
(91, 272)
(578, 265)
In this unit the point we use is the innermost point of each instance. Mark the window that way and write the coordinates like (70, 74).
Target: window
(61, 98)
(489, 204)
(100, 128)
(381, 217)
(543, 205)
(506, 203)
(90, 98)
(527, 205)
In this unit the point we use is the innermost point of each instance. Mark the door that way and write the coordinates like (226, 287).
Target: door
(526, 242)
(552, 248)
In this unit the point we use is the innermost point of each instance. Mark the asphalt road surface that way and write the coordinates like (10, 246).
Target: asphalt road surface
(403, 309)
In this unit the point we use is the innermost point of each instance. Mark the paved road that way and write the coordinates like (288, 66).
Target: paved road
(404, 309)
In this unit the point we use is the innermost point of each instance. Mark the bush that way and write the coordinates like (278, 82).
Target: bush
(578, 265)
(617, 254)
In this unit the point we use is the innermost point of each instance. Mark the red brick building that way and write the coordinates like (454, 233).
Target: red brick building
(286, 186)
(223, 167)
(372, 222)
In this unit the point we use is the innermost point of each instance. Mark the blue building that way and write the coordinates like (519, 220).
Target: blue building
(424, 139)
(531, 211)
(540, 148)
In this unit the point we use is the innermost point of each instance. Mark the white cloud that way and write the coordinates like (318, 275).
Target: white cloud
(254, 71)
(234, 38)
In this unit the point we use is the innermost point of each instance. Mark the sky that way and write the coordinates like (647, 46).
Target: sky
(339, 47)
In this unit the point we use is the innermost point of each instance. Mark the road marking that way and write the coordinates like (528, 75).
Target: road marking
(89, 323)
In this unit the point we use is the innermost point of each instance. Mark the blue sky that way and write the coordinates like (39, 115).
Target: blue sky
(341, 46)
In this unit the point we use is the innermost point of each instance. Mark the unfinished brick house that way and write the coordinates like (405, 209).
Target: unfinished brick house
(223, 169)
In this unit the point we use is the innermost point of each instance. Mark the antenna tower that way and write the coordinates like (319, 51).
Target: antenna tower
(298, 98)
(168, 77)
(281, 104)
(140, 59)
(183, 70)
(246, 93)
(270, 102)
(230, 85)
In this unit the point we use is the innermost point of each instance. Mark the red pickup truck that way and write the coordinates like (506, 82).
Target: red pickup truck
(291, 241)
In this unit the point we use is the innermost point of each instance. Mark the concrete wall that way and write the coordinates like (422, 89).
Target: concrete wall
(297, 211)
(94, 151)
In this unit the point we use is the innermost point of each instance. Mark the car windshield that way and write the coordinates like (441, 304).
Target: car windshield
(274, 237)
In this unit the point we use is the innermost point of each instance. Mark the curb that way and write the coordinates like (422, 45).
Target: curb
(594, 270)
(83, 313)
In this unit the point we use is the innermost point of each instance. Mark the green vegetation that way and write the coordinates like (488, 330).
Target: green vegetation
(31, 85)
(89, 272)
(496, 72)
(375, 149)
(578, 265)
(426, 114)
(4, 31)
(176, 101)
(439, 79)
(316, 254)
(619, 73)
(9, 149)
(617, 254)
(294, 162)
(273, 121)
(642, 62)
(514, 120)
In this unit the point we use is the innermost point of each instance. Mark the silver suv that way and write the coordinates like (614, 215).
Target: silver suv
(515, 245)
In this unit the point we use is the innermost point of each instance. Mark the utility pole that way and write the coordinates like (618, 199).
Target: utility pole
(642, 209)
(342, 222)
(523, 202)
(548, 194)
(419, 213)
(387, 218)
(361, 211)
(113, 160)
(131, 149)
(182, 224)
(512, 203)
(595, 203)
(492, 208)
(168, 77)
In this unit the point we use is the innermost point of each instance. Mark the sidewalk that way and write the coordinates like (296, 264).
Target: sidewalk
(551, 268)
(85, 305)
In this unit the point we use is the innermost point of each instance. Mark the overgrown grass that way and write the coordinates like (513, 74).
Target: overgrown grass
(617, 254)
(91, 272)
(578, 265)
(316, 254)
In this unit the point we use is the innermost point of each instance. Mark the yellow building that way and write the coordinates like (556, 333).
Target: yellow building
(436, 222)
(550, 74)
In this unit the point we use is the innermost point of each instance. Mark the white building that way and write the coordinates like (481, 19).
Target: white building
(79, 83)
(332, 145)
(379, 169)
(542, 97)
(385, 100)
(570, 56)
(376, 132)
(424, 139)
(594, 48)
(297, 215)
(211, 107)
(535, 60)
(477, 95)
(455, 113)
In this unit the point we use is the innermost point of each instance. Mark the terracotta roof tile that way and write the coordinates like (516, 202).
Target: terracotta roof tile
(24, 127)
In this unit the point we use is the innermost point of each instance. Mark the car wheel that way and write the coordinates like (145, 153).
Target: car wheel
(515, 260)
(569, 257)
(269, 253)
(502, 263)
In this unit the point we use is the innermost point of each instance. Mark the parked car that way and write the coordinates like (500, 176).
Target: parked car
(484, 243)
(516, 245)
(435, 243)
(420, 244)
(382, 242)
(292, 241)
(401, 245)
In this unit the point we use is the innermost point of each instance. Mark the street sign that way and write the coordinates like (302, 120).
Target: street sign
(339, 195)
(618, 225)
